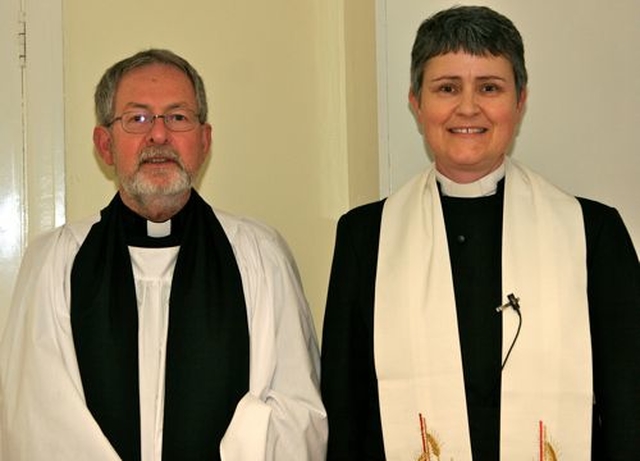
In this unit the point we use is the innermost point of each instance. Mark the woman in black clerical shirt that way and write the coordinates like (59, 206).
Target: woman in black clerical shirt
(479, 312)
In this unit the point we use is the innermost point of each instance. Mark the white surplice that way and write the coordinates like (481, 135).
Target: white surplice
(43, 415)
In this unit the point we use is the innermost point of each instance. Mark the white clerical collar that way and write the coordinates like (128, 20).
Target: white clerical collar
(159, 229)
(483, 187)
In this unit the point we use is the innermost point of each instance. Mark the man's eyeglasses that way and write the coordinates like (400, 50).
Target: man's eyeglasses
(140, 121)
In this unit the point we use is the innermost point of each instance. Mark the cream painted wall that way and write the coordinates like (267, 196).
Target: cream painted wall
(294, 135)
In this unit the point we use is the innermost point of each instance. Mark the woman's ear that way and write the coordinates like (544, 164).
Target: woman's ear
(414, 102)
(416, 110)
(522, 102)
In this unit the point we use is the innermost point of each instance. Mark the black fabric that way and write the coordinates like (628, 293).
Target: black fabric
(474, 235)
(207, 363)
(349, 384)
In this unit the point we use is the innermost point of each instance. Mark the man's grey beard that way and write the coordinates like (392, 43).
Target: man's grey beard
(142, 189)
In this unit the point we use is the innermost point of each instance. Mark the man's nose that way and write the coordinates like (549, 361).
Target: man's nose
(158, 134)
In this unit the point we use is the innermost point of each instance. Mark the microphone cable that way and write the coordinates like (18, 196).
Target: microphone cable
(514, 303)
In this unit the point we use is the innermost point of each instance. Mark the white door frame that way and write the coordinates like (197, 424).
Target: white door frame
(44, 116)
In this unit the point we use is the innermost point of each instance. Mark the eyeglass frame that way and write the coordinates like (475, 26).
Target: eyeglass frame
(152, 120)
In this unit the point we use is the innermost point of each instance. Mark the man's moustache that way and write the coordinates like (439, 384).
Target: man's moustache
(155, 153)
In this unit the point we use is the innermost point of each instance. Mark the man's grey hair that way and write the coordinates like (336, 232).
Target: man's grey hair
(476, 30)
(104, 96)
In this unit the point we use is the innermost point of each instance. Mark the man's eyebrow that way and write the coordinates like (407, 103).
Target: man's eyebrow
(135, 105)
(138, 105)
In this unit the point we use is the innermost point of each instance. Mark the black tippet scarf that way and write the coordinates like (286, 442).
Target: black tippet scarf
(207, 363)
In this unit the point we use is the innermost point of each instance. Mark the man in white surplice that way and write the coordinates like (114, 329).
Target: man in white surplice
(159, 330)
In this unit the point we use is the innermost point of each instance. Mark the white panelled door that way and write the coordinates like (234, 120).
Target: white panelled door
(31, 130)
(12, 219)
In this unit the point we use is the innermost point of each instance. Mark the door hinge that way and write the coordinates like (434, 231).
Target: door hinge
(22, 41)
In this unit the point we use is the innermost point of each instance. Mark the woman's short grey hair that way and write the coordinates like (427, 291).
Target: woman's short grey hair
(476, 30)
(105, 91)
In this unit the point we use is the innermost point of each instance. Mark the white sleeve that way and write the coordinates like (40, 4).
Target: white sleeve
(43, 415)
(282, 417)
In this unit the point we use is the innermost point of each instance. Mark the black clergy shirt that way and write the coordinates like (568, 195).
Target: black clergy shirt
(349, 384)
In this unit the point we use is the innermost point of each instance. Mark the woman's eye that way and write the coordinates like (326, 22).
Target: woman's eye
(490, 88)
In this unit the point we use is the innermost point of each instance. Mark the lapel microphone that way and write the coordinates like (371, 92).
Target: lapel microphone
(512, 302)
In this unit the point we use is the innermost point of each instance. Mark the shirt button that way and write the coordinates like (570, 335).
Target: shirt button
(461, 239)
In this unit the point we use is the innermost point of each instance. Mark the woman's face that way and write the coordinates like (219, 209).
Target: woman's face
(469, 111)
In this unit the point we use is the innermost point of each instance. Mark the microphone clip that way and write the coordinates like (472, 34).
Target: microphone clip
(512, 302)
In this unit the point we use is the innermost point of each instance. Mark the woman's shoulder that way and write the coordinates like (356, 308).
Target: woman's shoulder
(605, 230)
(365, 215)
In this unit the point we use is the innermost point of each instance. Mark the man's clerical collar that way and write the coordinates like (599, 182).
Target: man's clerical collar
(483, 187)
(140, 232)
(158, 229)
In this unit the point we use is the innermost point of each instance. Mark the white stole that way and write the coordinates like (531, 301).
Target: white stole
(547, 383)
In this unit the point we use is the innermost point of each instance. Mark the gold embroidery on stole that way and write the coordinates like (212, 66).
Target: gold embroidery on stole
(547, 450)
(430, 445)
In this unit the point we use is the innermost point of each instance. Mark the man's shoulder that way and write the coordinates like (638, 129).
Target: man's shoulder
(51, 253)
(68, 234)
(254, 243)
(79, 229)
(238, 227)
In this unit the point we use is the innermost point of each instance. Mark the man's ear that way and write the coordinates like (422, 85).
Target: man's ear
(206, 135)
(102, 142)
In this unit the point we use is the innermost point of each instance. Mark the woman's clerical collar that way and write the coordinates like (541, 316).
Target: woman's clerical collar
(483, 187)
